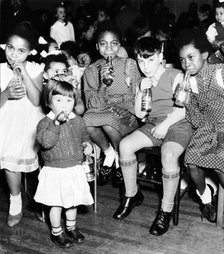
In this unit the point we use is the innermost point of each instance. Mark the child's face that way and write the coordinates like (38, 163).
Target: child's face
(61, 14)
(192, 60)
(61, 103)
(56, 69)
(219, 14)
(102, 16)
(108, 45)
(53, 46)
(83, 60)
(149, 66)
(17, 50)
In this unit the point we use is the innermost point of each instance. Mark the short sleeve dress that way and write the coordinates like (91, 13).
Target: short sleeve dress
(206, 113)
(18, 121)
(121, 93)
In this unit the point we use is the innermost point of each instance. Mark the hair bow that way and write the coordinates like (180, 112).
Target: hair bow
(221, 1)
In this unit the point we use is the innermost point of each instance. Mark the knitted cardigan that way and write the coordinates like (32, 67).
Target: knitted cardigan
(61, 145)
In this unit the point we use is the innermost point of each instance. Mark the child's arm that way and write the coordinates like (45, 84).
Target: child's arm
(15, 91)
(33, 87)
(95, 94)
(47, 133)
(160, 130)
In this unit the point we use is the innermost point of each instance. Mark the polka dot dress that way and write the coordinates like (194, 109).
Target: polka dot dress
(206, 113)
(121, 95)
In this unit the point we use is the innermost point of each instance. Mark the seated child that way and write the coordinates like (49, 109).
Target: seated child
(165, 126)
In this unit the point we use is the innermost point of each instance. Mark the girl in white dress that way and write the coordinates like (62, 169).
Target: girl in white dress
(62, 30)
(20, 90)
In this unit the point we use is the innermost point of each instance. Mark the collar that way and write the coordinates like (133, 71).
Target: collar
(52, 115)
(155, 78)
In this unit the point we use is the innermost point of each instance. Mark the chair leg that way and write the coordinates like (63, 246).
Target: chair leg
(176, 206)
(220, 209)
(95, 179)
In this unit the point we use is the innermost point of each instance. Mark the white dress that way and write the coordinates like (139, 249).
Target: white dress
(18, 121)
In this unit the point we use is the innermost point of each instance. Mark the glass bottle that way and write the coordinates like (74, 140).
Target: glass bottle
(146, 104)
(18, 77)
(88, 167)
(183, 91)
(108, 76)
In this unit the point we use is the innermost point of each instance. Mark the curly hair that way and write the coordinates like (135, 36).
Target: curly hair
(193, 36)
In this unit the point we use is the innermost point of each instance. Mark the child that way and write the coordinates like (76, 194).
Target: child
(62, 181)
(57, 67)
(205, 113)
(165, 126)
(20, 90)
(62, 30)
(215, 33)
(71, 50)
(110, 109)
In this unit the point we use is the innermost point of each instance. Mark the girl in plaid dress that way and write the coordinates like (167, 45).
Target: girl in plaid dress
(205, 113)
(110, 109)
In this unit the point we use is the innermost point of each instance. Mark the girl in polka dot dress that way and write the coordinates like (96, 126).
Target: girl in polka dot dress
(110, 108)
(206, 114)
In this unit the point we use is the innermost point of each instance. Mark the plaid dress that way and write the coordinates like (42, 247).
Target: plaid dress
(206, 113)
(120, 94)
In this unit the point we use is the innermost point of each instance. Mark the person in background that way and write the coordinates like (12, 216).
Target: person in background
(110, 108)
(215, 34)
(205, 113)
(20, 92)
(57, 67)
(63, 138)
(165, 126)
(62, 30)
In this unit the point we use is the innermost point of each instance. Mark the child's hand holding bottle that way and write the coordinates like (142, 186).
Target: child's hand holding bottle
(61, 118)
(87, 148)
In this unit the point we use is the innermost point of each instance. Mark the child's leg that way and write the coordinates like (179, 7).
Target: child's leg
(71, 229)
(55, 219)
(170, 153)
(57, 234)
(15, 208)
(128, 147)
(204, 192)
(99, 138)
(115, 138)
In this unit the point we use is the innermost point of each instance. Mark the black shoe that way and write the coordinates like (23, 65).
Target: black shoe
(104, 174)
(127, 205)
(118, 176)
(62, 240)
(208, 211)
(161, 223)
(76, 235)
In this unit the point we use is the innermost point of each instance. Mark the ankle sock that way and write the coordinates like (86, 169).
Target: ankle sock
(70, 224)
(170, 184)
(109, 156)
(129, 171)
(15, 206)
(56, 230)
(206, 197)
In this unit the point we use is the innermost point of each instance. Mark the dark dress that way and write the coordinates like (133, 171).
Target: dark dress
(121, 93)
(206, 113)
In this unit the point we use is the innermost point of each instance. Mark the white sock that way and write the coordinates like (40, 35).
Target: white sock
(15, 206)
(109, 156)
(206, 197)
(117, 164)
